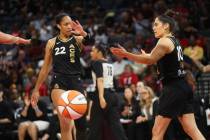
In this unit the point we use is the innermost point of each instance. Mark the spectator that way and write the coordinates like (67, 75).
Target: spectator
(128, 112)
(119, 66)
(128, 77)
(145, 120)
(54, 127)
(194, 52)
(6, 115)
(31, 84)
(33, 119)
(195, 48)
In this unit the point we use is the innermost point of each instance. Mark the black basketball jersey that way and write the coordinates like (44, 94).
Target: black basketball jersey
(172, 64)
(66, 57)
(104, 69)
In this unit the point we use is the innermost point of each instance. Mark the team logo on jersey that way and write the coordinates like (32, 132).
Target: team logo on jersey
(56, 86)
(72, 53)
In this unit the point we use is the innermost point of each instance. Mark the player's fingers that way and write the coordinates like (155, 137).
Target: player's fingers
(73, 23)
(115, 52)
(112, 49)
(78, 22)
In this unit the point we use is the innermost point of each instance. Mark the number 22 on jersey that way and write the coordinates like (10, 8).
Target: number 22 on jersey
(60, 50)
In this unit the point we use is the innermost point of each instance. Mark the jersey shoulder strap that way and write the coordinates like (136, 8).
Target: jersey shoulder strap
(174, 40)
(52, 42)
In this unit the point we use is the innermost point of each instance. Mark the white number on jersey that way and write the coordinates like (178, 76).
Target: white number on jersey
(60, 50)
(108, 75)
(180, 54)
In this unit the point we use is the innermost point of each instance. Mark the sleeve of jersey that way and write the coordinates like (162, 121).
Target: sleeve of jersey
(97, 68)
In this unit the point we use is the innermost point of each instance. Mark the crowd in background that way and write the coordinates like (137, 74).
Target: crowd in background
(110, 22)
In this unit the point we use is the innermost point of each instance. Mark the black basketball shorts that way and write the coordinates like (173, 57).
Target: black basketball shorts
(176, 99)
(67, 82)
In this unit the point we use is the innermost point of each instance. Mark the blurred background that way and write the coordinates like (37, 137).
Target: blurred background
(128, 22)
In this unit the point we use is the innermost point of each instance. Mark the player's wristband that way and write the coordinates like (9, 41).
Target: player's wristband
(87, 39)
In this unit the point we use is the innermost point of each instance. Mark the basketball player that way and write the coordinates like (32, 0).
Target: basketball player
(104, 106)
(10, 39)
(177, 96)
(63, 53)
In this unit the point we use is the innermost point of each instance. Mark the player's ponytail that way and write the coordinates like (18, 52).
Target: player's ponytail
(172, 13)
(169, 17)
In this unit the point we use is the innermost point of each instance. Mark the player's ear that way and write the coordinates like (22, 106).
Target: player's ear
(166, 26)
(58, 26)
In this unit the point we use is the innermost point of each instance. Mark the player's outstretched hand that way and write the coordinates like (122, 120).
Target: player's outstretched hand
(22, 41)
(118, 51)
(27, 42)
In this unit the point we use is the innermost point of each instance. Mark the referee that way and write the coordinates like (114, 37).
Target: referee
(105, 102)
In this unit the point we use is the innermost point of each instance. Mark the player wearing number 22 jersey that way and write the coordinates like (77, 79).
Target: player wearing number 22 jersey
(63, 54)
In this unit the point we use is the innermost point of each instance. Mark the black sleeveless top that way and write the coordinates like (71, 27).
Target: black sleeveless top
(66, 57)
(171, 66)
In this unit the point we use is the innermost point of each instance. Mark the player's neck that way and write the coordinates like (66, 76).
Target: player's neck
(167, 35)
(63, 37)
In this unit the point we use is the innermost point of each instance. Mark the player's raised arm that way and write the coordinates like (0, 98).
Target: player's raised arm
(82, 37)
(145, 58)
(10, 39)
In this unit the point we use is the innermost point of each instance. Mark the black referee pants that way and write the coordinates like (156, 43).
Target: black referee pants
(109, 115)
